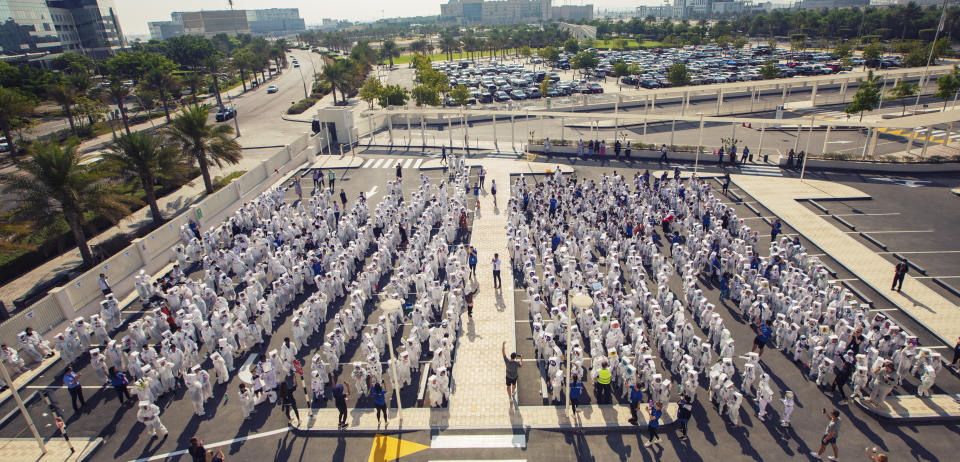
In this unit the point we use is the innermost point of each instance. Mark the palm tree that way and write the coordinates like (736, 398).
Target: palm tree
(338, 73)
(204, 142)
(193, 80)
(65, 95)
(243, 60)
(143, 157)
(418, 46)
(14, 107)
(116, 92)
(390, 50)
(213, 64)
(51, 183)
(163, 84)
(449, 44)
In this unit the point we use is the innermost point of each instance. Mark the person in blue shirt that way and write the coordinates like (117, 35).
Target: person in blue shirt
(775, 229)
(724, 286)
(119, 382)
(380, 402)
(576, 391)
(762, 338)
(472, 261)
(714, 268)
(706, 220)
(553, 206)
(755, 262)
(656, 411)
(636, 397)
(72, 381)
(555, 242)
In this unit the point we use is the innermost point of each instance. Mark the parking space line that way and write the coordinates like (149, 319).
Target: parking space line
(884, 310)
(924, 251)
(893, 231)
(938, 277)
(862, 214)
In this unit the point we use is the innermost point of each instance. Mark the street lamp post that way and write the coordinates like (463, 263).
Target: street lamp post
(696, 161)
(23, 408)
(305, 95)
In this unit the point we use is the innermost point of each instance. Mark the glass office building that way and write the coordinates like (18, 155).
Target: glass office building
(27, 27)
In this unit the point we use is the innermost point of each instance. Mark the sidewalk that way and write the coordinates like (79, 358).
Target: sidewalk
(27, 449)
(782, 195)
(909, 408)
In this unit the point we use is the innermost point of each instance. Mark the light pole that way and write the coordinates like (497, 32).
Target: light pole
(696, 161)
(305, 95)
(23, 408)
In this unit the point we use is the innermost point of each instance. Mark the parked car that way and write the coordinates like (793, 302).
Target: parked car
(518, 95)
(502, 96)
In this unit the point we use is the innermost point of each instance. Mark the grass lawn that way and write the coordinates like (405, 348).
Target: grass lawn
(631, 44)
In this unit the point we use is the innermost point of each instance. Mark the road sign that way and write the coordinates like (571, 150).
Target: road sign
(297, 367)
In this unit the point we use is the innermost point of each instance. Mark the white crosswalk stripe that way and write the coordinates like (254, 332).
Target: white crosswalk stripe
(760, 170)
(404, 163)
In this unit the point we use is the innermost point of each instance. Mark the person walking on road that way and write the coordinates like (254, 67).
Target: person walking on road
(576, 391)
(483, 176)
(118, 381)
(331, 178)
(726, 183)
(656, 411)
(513, 364)
(399, 171)
(380, 402)
(497, 284)
(288, 401)
(636, 399)
(317, 178)
(493, 192)
(829, 435)
(663, 153)
(104, 284)
(763, 336)
(443, 154)
(340, 394)
(472, 261)
(72, 381)
(197, 452)
(343, 198)
(684, 411)
(899, 272)
(886, 380)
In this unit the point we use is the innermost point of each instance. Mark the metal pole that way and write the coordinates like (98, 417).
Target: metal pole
(562, 131)
(495, 143)
(305, 95)
(673, 130)
(809, 137)
(23, 408)
(393, 370)
(826, 139)
(796, 144)
(866, 143)
(236, 124)
(450, 131)
(926, 142)
(763, 129)
(423, 133)
(696, 161)
(923, 78)
(513, 133)
(59, 420)
(803, 166)
(909, 140)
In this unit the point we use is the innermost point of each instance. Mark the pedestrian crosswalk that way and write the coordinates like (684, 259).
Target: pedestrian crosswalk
(829, 114)
(409, 162)
(760, 170)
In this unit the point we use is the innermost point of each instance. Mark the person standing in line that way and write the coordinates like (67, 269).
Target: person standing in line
(340, 394)
(546, 146)
(331, 179)
(483, 176)
(603, 384)
(580, 148)
(497, 284)
(380, 402)
(118, 381)
(616, 148)
(775, 229)
(197, 452)
(745, 155)
(656, 411)
(626, 151)
(72, 381)
(298, 189)
(443, 154)
(845, 368)
(576, 391)
(104, 284)
(684, 411)
(636, 398)
(513, 364)
(471, 292)
(726, 183)
(493, 191)
(829, 435)
(886, 379)
(663, 153)
(343, 198)
(899, 272)
(317, 178)
(472, 261)
(399, 170)
(288, 401)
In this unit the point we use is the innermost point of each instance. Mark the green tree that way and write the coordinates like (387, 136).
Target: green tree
(370, 91)
(842, 50)
(390, 50)
(873, 51)
(164, 85)
(526, 51)
(51, 184)
(15, 107)
(620, 44)
(770, 70)
(205, 143)
(450, 45)
(723, 40)
(902, 90)
(678, 75)
(460, 95)
(584, 60)
(634, 69)
(395, 95)
(571, 46)
(425, 95)
(65, 95)
(621, 69)
(115, 93)
(144, 158)
(550, 55)
(544, 87)
(338, 73)
(191, 51)
(867, 97)
(948, 85)
(740, 41)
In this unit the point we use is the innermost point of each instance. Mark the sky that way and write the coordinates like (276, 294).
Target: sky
(134, 14)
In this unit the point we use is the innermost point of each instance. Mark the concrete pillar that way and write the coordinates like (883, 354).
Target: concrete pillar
(910, 141)
(763, 129)
(719, 99)
(673, 131)
(450, 131)
(926, 143)
(371, 131)
(873, 143)
(495, 143)
(753, 95)
(423, 133)
(946, 141)
(843, 90)
(63, 301)
(813, 94)
(513, 133)
(796, 144)
(686, 101)
(809, 137)
(390, 128)
(826, 140)
(783, 97)
(883, 87)
(562, 129)
(866, 143)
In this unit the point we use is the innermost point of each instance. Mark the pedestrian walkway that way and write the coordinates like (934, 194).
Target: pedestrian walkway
(760, 169)
(403, 163)
(782, 195)
(27, 449)
(909, 408)
(538, 417)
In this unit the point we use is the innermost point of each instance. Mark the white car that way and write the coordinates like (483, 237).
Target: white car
(272, 89)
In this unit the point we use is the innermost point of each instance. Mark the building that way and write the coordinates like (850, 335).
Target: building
(818, 4)
(275, 21)
(501, 12)
(571, 13)
(269, 22)
(39, 30)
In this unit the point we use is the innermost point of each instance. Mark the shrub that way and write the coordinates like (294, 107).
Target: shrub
(302, 105)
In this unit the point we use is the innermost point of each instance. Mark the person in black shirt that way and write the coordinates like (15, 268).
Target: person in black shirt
(340, 394)
(197, 451)
(900, 271)
(288, 401)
